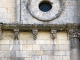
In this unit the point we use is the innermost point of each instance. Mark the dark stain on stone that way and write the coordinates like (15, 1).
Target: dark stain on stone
(13, 51)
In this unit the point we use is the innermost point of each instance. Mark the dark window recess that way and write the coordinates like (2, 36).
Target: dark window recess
(45, 6)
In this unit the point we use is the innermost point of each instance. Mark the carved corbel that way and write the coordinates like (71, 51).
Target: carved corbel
(16, 31)
(35, 32)
(0, 31)
(74, 33)
(53, 34)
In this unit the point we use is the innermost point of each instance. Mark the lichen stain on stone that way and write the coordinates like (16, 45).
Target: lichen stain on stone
(13, 55)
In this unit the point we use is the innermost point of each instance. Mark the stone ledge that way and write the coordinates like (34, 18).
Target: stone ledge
(39, 26)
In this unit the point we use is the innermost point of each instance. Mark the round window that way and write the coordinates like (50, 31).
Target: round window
(45, 10)
(45, 6)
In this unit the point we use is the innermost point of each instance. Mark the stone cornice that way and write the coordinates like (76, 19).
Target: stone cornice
(36, 27)
(39, 26)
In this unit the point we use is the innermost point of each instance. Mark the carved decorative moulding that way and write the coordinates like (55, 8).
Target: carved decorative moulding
(55, 6)
(74, 33)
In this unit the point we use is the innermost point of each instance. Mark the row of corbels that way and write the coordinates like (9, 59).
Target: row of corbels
(34, 32)
(72, 33)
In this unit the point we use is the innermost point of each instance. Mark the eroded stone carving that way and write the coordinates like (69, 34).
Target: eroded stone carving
(74, 33)
(35, 32)
(16, 34)
(16, 31)
(53, 34)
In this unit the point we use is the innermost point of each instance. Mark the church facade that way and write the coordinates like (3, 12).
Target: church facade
(39, 30)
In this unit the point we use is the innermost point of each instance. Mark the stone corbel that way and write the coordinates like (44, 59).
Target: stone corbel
(35, 32)
(53, 34)
(16, 31)
(74, 33)
(0, 31)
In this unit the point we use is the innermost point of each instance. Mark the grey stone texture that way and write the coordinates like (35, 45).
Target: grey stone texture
(28, 49)
(43, 48)
(70, 12)
(75, 49)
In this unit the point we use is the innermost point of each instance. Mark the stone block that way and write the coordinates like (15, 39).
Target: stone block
(36, 47)
(3, 58)
(62, 35)
(45, 57)
(50, 53)
(66, 57)
(34, 53)
(1, 11)
(27, 47)
(23, 41)
(7, 54)
(1, 15)
(29, 54)
(10, 1)
(20, 58)
(40, 53)
(8, 35)
(43, 35)
(16, 58)
(0, 5)
(47, 41)
(20, 53)
(53, 42)
(2, 0)
(46, 47)
(54, 58)
(16, 42)
(15, 47)
(64, 47)
(11, 42)
(39, 41)
(12, 54)
(4, 42)
(25, 36)
(67, 53)
(36, 57)
(61, 57)
(4, 47)
(61, 53)
(2, 54)
(31, 42)
(55, 47)
(57, 41)
(49, 47)
(27, 58)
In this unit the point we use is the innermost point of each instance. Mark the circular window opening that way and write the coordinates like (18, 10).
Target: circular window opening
(45, 6)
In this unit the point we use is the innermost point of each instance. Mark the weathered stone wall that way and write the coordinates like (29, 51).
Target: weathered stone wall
(7, 11)
(44, 48)
(70, 12)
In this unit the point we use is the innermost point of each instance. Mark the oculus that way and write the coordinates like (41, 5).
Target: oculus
(45, 6)
(45, 10)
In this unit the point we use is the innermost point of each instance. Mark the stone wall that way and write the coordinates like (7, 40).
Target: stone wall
(7, 11)
(44, 48)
